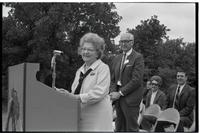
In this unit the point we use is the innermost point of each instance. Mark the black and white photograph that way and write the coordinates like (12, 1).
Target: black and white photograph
(92, 66)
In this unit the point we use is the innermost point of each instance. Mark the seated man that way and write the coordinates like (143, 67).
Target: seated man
(181, 96)
(167, 121)
(146, 90)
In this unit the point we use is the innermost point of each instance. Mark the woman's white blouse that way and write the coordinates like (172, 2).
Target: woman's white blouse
(96, 85)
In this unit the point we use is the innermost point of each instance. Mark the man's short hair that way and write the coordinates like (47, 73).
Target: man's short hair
(181, 70)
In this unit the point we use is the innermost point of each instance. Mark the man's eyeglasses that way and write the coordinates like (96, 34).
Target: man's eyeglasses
(89, 50)
(124, 41)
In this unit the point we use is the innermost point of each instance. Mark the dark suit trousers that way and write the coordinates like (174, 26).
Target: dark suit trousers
(184, 122)
(127, 116)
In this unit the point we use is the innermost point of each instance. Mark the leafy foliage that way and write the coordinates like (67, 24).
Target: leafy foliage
(162, 55)
(33, 30)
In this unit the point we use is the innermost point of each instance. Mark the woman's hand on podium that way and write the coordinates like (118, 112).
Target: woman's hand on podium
(67, 93)
(72, 96)
(60, 90)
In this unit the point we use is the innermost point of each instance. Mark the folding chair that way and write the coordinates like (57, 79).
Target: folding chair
(169, 115)
(149, 117)
(141, 112)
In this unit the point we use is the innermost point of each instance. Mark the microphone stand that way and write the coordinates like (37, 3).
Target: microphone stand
(53, 65)
(54, 71)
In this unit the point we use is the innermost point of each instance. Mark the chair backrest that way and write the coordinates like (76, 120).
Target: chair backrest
(153, 110)
(150, 114)
(169, 115)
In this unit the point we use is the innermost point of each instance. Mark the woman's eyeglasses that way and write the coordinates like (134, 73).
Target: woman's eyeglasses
(154, 84)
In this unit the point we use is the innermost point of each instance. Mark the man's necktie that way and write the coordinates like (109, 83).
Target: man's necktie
(121, 66)
(177, 97)
(81, 78)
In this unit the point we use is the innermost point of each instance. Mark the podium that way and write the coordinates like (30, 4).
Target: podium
(41, 108)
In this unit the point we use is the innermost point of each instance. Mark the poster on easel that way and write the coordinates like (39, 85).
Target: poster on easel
(14, 115)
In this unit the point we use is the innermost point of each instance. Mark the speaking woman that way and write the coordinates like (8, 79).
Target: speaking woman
(91, 86)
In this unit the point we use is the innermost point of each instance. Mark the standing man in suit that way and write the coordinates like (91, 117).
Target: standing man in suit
(156, 96)
(182, 97)
(127, 84)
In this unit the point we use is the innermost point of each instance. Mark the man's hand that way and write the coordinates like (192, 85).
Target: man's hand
(114, 96)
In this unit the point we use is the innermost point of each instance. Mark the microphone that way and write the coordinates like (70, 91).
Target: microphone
(55, 53)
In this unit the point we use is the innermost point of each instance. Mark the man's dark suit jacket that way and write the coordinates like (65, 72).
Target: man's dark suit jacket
(186, 101)
(160, 99)
(132, 78)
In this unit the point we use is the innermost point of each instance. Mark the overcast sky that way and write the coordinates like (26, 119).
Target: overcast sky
(178, 17)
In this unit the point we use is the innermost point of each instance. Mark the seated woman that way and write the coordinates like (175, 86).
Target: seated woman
(156, 95)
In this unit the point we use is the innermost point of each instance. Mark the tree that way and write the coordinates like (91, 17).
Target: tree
(147, 38)
(176, 54)
(163, 57)
(170, 52)
(33, 30)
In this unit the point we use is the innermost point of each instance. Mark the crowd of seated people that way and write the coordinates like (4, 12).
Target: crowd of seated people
(161, 112)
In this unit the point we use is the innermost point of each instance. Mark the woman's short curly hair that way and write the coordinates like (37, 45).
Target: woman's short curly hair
(157, 78)
(97, 41)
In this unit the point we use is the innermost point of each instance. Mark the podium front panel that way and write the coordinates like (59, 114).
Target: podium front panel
(44, 108)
